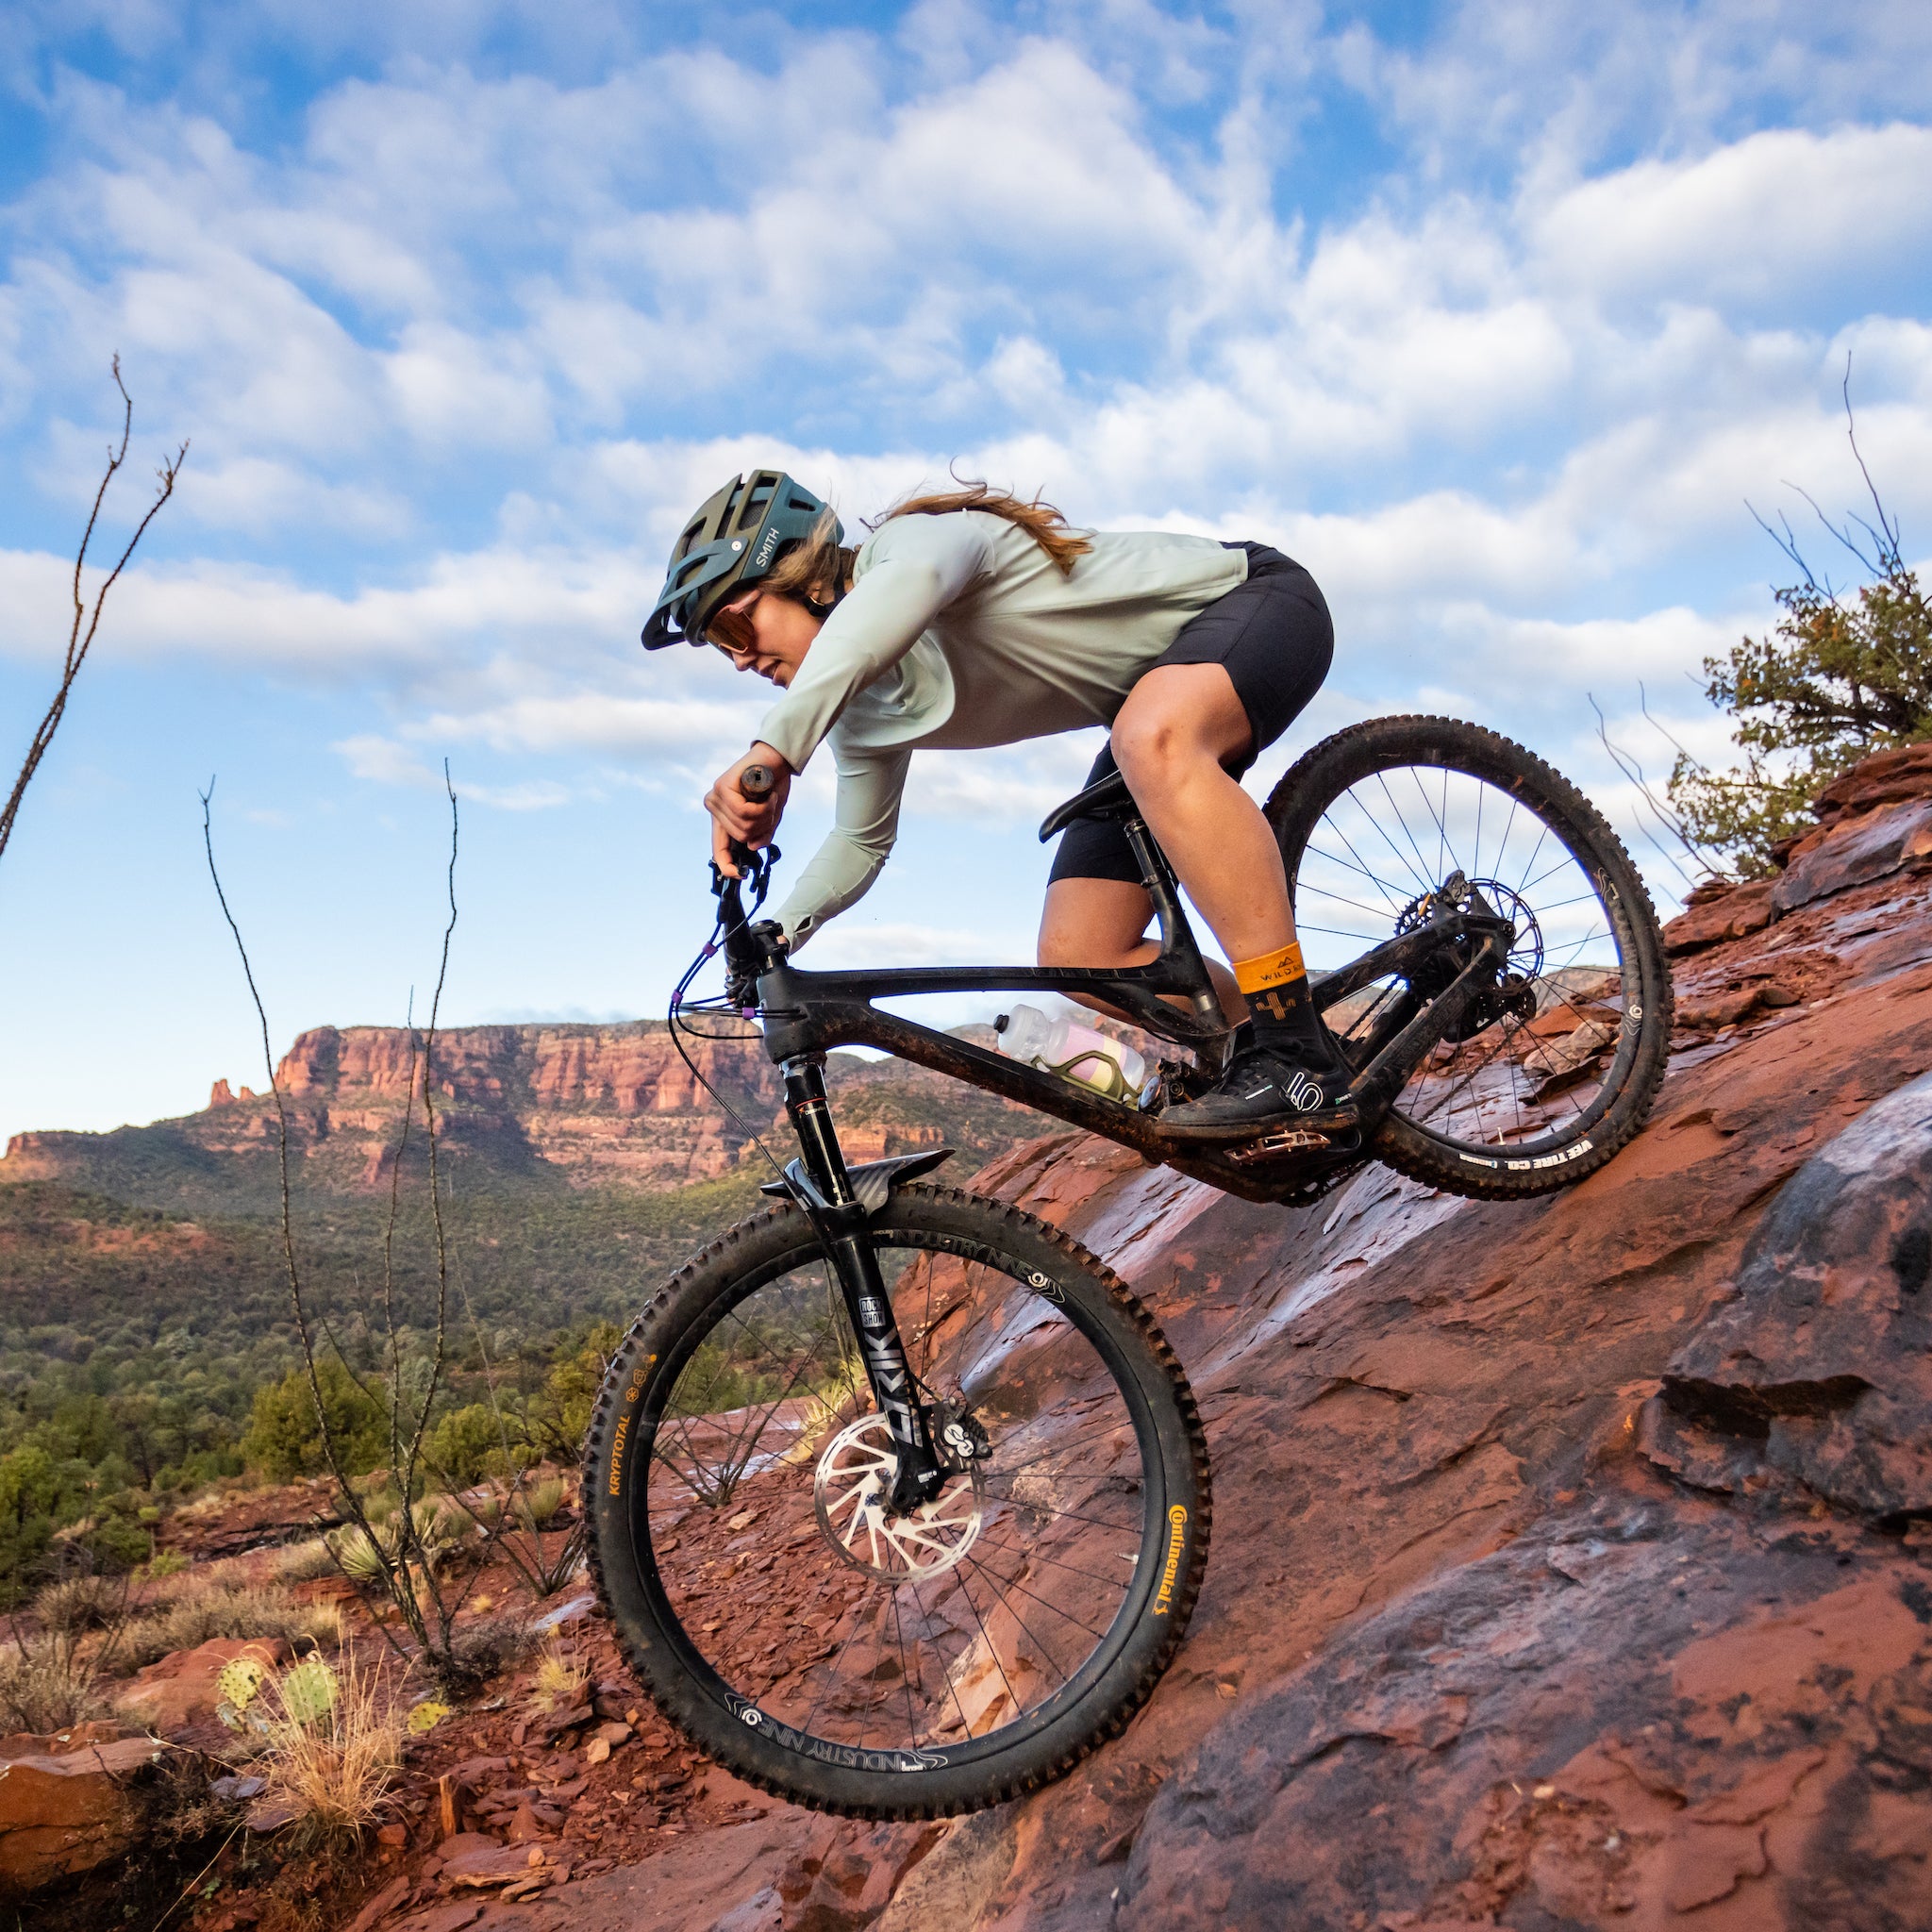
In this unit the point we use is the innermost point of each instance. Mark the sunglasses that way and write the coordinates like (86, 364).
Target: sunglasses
(731, 628)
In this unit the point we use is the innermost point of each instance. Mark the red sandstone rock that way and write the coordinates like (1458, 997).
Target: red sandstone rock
(1883, 778)
(1854, 849)
(68, 1804)
(1726, 915)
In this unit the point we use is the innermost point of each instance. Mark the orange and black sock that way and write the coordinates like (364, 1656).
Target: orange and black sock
(1276, 987)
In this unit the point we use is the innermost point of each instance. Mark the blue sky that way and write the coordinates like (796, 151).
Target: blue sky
(1494, 316)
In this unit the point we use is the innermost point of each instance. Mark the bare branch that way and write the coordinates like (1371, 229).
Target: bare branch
(79, 639)
(398, 1588)
(1660, 810)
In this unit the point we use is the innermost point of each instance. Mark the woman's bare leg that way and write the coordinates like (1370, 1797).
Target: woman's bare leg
(1104, 922)
(1177, 727)
(1180, 726)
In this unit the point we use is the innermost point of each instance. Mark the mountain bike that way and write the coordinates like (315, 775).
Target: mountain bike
(898, 1498)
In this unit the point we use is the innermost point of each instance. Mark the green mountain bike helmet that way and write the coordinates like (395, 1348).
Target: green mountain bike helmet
(734, 539)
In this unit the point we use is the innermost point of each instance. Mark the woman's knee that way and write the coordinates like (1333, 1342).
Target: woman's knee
(1177, 717)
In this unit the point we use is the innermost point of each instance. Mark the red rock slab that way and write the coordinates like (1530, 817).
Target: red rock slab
(68, 1810)
(1816, 1367)
(1659, 1724)
(450, 1918)
(1854, 851)
(1884, 778)
(1745, 910)
(725, 1877)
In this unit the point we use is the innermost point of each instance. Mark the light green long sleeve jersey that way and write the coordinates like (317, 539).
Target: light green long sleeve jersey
(960, 631)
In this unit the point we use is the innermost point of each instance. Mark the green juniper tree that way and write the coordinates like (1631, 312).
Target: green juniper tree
(1837, 679)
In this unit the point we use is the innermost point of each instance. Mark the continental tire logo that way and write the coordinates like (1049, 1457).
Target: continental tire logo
(1176, 1541)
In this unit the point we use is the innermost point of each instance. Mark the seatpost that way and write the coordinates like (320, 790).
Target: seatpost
(843, 1222)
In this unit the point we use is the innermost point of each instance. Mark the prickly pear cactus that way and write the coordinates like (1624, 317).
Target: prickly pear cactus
(309, 1690)
(427, 1716)
(239, 1684)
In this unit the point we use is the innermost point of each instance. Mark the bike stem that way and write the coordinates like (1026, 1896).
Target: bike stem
(840, 1219)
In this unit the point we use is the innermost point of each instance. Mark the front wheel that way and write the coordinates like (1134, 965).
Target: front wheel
(738, 1479)
(1556, 1065)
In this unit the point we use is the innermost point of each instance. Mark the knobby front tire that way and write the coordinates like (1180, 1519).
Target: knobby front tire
(1559, 1069)
(818, 1647)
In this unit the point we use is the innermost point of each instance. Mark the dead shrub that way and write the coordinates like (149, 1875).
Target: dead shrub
(217, 1606)
(48, 1682)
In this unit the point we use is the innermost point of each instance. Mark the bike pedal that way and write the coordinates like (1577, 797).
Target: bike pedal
(1272, 1146)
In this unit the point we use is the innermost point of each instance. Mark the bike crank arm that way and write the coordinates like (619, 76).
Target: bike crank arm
(841, 1219)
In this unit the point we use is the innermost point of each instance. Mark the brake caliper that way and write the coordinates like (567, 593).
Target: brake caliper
(957, 1436)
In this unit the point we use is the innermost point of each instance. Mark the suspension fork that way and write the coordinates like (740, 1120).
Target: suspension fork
(840, 1219)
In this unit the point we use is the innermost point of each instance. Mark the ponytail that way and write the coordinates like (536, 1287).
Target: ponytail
(1041, 520)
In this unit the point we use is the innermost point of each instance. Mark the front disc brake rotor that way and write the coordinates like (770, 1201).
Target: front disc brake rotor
(852, 1492)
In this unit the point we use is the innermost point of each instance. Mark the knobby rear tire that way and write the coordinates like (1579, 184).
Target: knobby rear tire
(1317, 780)
(1147, 1629)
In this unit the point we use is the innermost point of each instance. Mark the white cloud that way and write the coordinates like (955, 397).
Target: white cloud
(490, 325)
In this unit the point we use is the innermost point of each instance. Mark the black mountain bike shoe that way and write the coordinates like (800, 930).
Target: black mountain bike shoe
(1263, 1092)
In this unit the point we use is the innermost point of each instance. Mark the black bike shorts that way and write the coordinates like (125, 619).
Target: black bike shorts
(1276, 638)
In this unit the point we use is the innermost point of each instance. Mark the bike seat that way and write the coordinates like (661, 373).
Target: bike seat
(1106, 798)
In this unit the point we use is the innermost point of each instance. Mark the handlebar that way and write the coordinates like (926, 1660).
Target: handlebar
(745, 953)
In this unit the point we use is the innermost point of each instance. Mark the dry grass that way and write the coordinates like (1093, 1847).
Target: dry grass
(337, 1766)
(218, 1603)
(79, 1603)
(560, 1679)
(304, 1562)
(48, 1682)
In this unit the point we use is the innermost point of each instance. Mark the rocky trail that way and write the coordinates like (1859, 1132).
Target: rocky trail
(1572, 1559)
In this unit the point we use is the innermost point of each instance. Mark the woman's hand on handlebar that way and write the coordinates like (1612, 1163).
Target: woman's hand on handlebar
(738, 820)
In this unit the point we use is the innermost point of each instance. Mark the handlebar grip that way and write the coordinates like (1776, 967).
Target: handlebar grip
(757, 782)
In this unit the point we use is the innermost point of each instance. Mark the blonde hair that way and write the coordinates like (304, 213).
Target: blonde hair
(1041, 520)
(818, 569)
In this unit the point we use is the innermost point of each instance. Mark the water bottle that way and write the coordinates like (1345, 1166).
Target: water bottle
(1080, 1054)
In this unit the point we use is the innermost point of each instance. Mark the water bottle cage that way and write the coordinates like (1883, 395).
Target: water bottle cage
(1116, 1088)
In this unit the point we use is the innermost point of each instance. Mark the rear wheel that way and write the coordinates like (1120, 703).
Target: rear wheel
(736, 1480)
(1557, 1065)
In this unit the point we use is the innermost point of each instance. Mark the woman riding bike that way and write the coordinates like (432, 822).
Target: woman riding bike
(972, 618)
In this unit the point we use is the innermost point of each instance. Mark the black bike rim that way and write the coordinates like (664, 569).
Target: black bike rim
(1063, 1704)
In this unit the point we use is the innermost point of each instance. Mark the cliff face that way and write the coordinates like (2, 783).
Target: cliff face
(600, 1104)
(1573, 1559)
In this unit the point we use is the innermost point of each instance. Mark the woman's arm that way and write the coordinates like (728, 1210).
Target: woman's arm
(865, 825)
(913, 568)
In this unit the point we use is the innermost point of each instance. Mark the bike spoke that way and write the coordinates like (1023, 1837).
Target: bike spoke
(1507, 1083)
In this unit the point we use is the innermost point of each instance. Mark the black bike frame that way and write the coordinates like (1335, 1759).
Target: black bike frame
(806, 1015)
